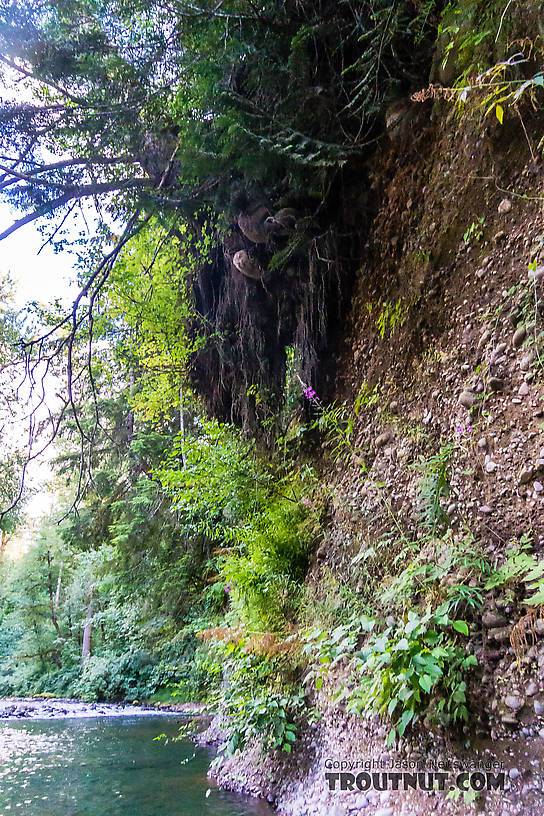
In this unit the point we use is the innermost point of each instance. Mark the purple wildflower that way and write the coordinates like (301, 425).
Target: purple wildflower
(227, 587)
(306, 501)
(309, 393)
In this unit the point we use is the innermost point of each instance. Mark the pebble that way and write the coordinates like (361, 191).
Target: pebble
(523, 389)
(514, 702)
(538, 487)
(492, 620)
(536, 274)
(538, 707)
(541, 733)
(484, 338)
(467, 399)
(531, 689)
(482, 443)
(504, 207)
(496, 384)
(491, 467)
(485, 509)
(382, 439)
(385, 812)
(514, 773)
(519, 336)
(527, 361)
(526, 474)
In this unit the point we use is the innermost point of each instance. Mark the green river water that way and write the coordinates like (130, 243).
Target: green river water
(104, 766)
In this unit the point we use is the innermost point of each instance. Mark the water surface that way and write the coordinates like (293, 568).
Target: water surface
(104, 766)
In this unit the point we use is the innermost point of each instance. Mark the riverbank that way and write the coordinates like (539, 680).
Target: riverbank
(309, 780)
(17, 708)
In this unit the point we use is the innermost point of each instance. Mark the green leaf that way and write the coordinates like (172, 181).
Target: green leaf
(426, 683)
(290, 736)
(404, 721)
(461, 626)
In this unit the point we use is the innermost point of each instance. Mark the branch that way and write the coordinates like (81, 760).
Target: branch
(60, 165)
(73, 194)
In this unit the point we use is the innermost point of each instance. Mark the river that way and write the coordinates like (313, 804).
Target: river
(108, 766)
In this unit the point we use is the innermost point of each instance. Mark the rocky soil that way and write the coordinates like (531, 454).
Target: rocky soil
(446, 339)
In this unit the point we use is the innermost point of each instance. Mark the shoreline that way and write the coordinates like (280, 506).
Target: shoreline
(55, 708)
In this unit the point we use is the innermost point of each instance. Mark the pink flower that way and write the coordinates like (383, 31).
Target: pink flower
(227, 587)
(306, 501)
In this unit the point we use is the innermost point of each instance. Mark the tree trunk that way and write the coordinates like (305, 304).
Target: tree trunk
(57, 593)
(182, 426)
(52, 606)
(87, 631)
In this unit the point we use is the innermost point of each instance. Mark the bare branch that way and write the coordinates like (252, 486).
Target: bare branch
(73, 194)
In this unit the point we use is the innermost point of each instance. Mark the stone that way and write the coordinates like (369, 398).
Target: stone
(385, 812)
(496, 384)
(491, 467)
(523, 389)
(514, 702)
(382, 439)
(485, 509)
(541, 733)
(527, 360)
(486, 336)
(451, 509)
(519, 337)
(493, 619)
(467, 399)
(538, 487)
(536, 274)
(483, 443)
(505, 206)
(531, 689)
(501, 634)
(538, 708)
(526, 474)
(513, 773)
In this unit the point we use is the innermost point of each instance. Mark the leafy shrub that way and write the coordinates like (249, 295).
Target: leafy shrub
(116, 677)
(407, 670)
(257, 698)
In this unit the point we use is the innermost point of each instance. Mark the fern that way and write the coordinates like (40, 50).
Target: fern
(434, 486)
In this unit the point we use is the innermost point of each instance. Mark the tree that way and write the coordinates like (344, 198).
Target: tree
(205, 110)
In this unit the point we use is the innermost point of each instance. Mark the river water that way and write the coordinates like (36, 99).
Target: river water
(108, 766)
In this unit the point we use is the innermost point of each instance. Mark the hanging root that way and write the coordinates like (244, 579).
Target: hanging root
(524, 631)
